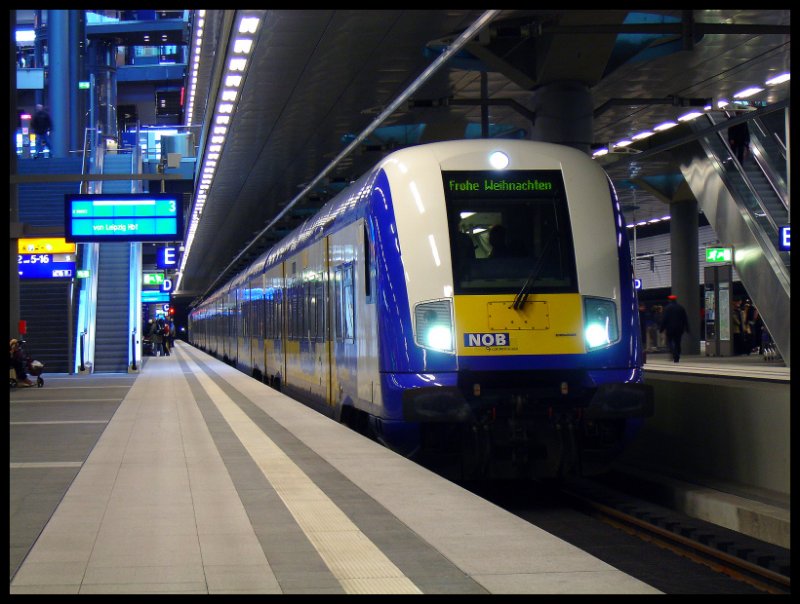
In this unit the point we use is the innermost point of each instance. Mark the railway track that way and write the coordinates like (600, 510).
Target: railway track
(764, 566)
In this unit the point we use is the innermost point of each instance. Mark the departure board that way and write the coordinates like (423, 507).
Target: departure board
(133, 217)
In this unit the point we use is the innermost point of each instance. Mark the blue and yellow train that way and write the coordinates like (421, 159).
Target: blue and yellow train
(469, 304)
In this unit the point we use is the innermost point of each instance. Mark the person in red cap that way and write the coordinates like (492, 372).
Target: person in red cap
(674, 322)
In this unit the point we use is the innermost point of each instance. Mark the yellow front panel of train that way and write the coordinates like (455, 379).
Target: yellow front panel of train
(546, 324)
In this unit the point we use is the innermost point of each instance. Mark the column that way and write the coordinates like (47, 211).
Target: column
(686, 267)
(564, 114)
(77, 70)
(58, 80)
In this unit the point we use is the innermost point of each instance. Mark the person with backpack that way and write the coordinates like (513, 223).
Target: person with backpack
(157, 336)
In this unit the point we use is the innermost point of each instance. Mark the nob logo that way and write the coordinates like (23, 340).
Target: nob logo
(486, 339)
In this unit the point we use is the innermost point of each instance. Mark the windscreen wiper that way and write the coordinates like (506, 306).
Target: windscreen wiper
(522, 296)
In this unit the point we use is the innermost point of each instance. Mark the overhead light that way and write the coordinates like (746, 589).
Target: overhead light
(722, 103)
(599, 152)
(641, 135)
(747, 92)
(225, 106)
(623, 143)
(665, 126)
(778, 79)
(690, 116)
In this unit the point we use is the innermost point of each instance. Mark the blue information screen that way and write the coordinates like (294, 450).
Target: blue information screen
(153, 295)
(134, 217)
(46, 266)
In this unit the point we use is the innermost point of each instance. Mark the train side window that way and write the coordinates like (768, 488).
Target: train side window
(344, 303)
(269, 313)
(369, 273)
(319, 295)
(348, 304)
(337, 303)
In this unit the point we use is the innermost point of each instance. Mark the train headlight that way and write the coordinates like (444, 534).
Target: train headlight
(599, 322)
(434, 325)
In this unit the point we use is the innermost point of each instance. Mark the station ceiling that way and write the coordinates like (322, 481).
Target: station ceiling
(318, 78)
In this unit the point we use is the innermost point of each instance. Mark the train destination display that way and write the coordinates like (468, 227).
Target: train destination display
(133, 217)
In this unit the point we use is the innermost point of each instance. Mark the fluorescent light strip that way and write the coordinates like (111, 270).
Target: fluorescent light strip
(721, 103)
(225, 107)
(198, 40)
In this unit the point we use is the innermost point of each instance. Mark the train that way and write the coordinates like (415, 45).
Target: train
(469, 304)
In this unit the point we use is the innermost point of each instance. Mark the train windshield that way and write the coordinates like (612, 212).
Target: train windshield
(509, 231)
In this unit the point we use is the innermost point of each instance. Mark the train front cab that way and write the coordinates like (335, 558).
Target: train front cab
(542, 324)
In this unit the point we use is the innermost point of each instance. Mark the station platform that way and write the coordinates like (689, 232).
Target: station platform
(189, 477)
(751, 367)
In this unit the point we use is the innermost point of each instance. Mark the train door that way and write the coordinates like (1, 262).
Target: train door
(274, 328)
(307, 354)
(353, 322)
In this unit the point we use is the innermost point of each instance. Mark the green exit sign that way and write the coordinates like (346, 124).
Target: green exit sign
(83, 273)
(152, 278)
(719, 254)
(83, 85)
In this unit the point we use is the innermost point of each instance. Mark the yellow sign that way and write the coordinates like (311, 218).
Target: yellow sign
(45, 245)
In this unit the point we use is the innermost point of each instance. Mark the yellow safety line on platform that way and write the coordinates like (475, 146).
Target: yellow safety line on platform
(354, 560)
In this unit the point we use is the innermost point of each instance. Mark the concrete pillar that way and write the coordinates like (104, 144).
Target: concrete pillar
(15, 227)
(564, 114)
(686, 268)
(58, 80)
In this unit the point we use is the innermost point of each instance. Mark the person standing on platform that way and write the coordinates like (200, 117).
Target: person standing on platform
(41, 124)
(674, 322)
(165, 335)
(157, 337)
(739, 139)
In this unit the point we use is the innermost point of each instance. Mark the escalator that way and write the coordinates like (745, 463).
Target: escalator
(746, 207)
(115, 266)
(111, 329)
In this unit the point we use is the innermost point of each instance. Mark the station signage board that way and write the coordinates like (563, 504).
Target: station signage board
(151, 296)
(46, 266)
(167, 257)
(45, 245)
(718, 255)
(784, 238)
(152, 278)
(121, 217)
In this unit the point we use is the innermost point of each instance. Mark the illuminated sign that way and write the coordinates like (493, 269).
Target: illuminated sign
(83, 85)
(167, 257)
(45, 245)
(784, 242)
(637, 284)
(481, 183)
(46, 266)
(134, 217)
(719, 254)
(83, 273)
(152, 278)
(166, 285)
(154, 296)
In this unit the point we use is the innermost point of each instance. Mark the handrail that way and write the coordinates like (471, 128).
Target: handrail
(85, 184)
